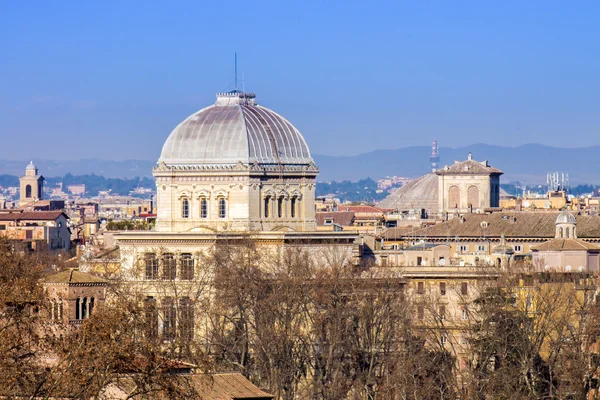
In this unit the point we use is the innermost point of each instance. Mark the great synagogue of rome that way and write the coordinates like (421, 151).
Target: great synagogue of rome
(232, 171)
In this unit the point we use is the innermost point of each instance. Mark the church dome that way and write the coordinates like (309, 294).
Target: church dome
(31, 166)
(235, 129)
(420, 193)
(565, 217)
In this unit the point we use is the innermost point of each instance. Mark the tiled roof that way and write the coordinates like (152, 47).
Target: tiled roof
(218, 386)
(516, 224)
(399, 232)
(343, 218)
(31, 216)
(231, 386)
(72, 276)
(565, 245)
(362, 209)
(468, 167)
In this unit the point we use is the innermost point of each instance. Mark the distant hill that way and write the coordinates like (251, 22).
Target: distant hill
(108, 169)
(528, 163)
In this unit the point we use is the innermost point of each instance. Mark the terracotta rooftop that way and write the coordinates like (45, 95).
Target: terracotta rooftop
(565, 245)
(343, 218)
(515, 224)
(218, 386)
(231, 386)
(469, 167)
(72, 276)
(363, 209)
(31, 216)
(399, 232)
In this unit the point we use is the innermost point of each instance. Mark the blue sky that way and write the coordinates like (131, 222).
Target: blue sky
(110, 80)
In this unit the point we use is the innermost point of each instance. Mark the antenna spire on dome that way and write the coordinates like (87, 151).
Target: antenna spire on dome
(235, 63)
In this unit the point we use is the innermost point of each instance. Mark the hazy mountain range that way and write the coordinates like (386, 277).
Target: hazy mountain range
(528, 163)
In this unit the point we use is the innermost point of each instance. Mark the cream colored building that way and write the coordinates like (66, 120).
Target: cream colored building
(468, 186)
(465, 187)
(235, 166)
(31, 186)
(231, 172)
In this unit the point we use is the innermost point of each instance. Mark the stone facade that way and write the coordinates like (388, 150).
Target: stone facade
(235, 198)
(31, 186)
(468, 186)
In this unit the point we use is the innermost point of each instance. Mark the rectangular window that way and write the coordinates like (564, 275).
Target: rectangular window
(222, 208)
(186, 319)
(169, 318)
(420, 312)
(187, 266)
(185, 208)
(151, 266)
(463, 248)
(420, 288)
(203, 208)
(443, 288)
(151, 314)
(419, 261)
(2, 227)
(465, 314)
(518, 248)
(444, 338)
(442, 312)
(328, 222)
(169, 267)
(482, 248)
(464, 288)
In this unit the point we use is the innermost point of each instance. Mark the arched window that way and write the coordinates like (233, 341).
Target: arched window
(92, 301)
(280, 207)
(267, 206)
(28, 191)
(473, 196)
(78, 308)
(185, 208)
(169, 266)
(169, 318)
(187, 266)
(454, 197)
(222, 208)
(293, 207)
(52, 310)
(203, 208)
(60, 309)
(560, 232)
(186, 319)
(84, 305)
(151, 263)
(568, 232)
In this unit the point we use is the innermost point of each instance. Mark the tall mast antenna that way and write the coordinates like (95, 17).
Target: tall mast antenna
(235, 62)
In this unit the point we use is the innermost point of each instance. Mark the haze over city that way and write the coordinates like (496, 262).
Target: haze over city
(114, 78)
(279, 200)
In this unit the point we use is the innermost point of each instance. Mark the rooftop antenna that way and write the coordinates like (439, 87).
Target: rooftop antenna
(235, 62)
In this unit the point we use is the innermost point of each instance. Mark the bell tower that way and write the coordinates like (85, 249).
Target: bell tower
(32, 186)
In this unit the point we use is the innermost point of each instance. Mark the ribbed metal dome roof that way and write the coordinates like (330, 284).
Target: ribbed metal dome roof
(565, 217)
(235, 129)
